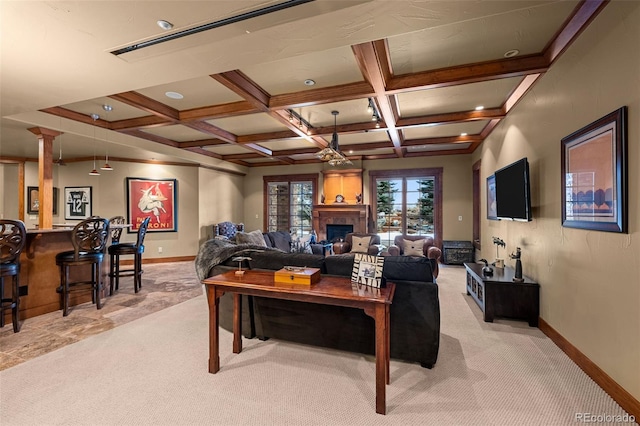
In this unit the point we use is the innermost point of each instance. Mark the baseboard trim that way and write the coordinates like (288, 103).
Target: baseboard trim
(610, 386)
(160, 260)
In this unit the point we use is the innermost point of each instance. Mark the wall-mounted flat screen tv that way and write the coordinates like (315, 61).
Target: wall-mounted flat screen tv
(513, 194)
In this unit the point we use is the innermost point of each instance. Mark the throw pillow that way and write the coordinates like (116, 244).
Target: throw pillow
(414, 248)
(254, 237)
(360, 244)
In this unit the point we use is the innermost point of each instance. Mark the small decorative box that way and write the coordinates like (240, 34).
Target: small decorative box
(297, 275)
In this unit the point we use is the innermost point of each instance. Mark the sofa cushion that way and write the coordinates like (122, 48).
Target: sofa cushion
(253, 237)
(360, 244)
(407, 269)
(339, 264)
(275, 260)
(280, 240)
(414, 247)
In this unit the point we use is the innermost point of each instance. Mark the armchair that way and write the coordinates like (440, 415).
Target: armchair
(349, 246)
(429, 250)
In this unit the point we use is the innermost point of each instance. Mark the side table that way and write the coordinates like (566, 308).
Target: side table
(499, 296)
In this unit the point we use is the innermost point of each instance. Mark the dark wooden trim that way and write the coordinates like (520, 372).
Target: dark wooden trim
(519, 92)
(128, 262)
(477, 205)
(435, 172)
(610, 386)
(138, 100)
(313, 177)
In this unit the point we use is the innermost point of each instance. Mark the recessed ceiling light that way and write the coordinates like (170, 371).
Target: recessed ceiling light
(511, 53)
(309, 82)
(479, 107)
(165, 25)
(174, 95)
(463, 134)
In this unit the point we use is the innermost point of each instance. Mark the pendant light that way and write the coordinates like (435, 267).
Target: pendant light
(106, 166)
(60, 161)
(332, 153)
(95, 171)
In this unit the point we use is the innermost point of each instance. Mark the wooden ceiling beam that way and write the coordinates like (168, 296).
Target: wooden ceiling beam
(210, 129)
(201, 143)
(150, 137)
(138, 100)
(75, 116)
(471, 73)
(451, 117)
(375, 64)
(571, 29)
(323, 95)
(147, 122)
(231, 109)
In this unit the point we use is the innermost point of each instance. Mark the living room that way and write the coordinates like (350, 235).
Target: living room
(589, 279)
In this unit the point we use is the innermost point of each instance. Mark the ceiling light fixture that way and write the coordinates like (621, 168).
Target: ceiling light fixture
(463, 134)
(165, 25)
(511, 53)
(60, 161)
(106, 166)
(309, 82)
(370, 106)
(479, 107)
(332, 154)
(174, 95)
(95, 171)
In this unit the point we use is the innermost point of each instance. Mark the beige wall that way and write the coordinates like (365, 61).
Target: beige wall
(109, 199)
(220, 199)
(457, 188)
(590, 281)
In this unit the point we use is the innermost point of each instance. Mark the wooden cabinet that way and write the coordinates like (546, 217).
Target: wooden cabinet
(499, 296)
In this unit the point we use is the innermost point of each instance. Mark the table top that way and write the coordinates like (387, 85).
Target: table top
(329, 287)
(500, 275)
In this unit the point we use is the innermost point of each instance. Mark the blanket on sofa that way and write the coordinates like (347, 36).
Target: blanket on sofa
(215, 252)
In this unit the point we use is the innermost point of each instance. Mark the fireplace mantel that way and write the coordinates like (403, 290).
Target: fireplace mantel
(340, 214)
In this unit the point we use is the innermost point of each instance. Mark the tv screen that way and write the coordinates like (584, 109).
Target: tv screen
(512, 191)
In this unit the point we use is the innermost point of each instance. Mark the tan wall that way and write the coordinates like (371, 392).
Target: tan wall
(457, 189)
(590, 281)
(220, 199)
(109, 199)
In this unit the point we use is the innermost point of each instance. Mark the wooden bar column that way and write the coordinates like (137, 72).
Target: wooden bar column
(45, 175)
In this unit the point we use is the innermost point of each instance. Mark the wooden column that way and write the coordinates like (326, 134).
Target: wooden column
(45, 175)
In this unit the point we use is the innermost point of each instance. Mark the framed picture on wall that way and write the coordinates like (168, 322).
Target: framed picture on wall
(594, 175)
(77, 202)
(492, 210)
(156, 198)
(33, 201)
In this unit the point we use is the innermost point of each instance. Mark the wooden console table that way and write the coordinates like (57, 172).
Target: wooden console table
(499, 296)
(328, 291)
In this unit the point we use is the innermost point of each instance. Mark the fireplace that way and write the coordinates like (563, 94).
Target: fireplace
(338, 232)
(356, 216)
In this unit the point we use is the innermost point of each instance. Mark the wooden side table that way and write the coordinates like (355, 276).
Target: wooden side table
(499, 296)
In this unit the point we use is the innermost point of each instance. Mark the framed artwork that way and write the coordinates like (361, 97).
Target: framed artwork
(492, 209)
(367, 270)
(594, 175)
(156, 198)
(33, 201)
(77, 202)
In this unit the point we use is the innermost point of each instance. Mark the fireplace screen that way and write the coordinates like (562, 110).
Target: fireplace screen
(338, 232)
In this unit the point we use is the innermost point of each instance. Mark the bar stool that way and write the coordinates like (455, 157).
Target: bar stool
(123, 249)
(116, 231)
(13, 237)
(89, 239)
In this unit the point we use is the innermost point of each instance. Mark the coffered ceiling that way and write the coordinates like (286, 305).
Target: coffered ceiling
(438, 75)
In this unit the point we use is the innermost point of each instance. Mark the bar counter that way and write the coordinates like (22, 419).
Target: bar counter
(40, 276)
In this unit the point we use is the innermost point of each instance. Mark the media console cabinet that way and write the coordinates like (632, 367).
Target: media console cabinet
(499, 296)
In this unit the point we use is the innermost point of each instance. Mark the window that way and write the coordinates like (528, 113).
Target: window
(407, 202)
(289, 203)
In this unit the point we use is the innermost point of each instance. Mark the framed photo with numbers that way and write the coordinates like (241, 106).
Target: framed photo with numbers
(367, 270)
(77, 202)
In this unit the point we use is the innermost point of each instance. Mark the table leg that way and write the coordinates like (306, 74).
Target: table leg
(382, 357)
(387, 315)
(214, 339)
(237, 323)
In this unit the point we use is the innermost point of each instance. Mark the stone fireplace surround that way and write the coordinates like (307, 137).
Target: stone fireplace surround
(341, 214)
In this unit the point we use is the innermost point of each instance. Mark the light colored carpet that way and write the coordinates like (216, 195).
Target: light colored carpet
(153, 371)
